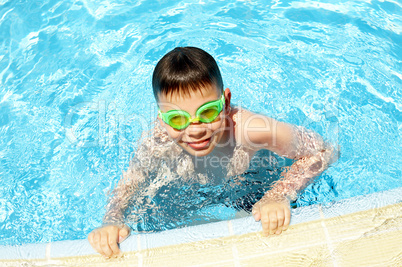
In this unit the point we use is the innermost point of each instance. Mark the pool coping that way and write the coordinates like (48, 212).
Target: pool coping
(240, 226)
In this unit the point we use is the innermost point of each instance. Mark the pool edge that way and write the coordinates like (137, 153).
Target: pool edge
(48, 252)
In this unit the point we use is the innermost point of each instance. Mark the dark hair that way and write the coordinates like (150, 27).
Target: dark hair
(184, 70)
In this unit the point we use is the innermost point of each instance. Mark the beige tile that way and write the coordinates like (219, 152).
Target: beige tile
(368, 238)
(357, 224)
(129, 259)
(380, 249)
(296, 237)
(310, 256)
(14, 263)
(210, 252)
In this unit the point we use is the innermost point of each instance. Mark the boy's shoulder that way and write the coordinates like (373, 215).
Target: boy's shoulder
(259, 131)
(245, 122)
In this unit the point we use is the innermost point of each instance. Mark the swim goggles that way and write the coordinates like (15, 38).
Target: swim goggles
(207, 113)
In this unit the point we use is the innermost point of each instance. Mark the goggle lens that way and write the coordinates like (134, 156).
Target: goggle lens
(178, 122)
(207, 113)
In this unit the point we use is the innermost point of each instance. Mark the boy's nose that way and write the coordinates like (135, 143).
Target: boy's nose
(196, 130)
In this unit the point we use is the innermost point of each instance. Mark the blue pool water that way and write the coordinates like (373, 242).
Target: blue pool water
(75, 94)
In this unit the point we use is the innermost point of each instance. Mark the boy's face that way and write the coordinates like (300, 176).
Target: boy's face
(198, 139)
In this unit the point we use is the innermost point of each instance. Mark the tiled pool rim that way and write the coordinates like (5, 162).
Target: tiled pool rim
(48, 251)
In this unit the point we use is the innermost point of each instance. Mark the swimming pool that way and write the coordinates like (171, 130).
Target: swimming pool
(75, 85)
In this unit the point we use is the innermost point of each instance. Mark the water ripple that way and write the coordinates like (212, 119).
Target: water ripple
(75, 83)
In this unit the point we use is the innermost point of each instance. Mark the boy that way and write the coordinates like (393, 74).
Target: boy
(197, 127)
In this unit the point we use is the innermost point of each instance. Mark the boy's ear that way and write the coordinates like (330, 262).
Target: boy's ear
(228, 96)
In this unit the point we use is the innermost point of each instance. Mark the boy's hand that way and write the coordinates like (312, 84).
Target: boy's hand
(105, 239)
(274, 215)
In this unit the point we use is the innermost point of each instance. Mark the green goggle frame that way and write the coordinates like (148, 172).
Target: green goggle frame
(207, 113)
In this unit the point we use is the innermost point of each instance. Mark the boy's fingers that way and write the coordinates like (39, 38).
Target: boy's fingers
(96, 242)
(124, 233)
(256, 213)
(279, 231)
(112, 241)
(104, 244)
(265, 223)
(257, 216)
(281, 217)
(91, 238)
(91, 241)
(273, 222)
(287, 219)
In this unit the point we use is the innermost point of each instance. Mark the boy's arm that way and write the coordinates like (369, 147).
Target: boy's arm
(105, 239)
(120, 198)
(313, 156)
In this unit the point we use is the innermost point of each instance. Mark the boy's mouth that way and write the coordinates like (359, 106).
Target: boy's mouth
(200, 144)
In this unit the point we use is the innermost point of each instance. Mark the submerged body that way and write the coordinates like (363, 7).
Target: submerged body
(184, 146)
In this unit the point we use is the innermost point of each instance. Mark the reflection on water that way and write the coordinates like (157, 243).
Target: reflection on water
(180, 203)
